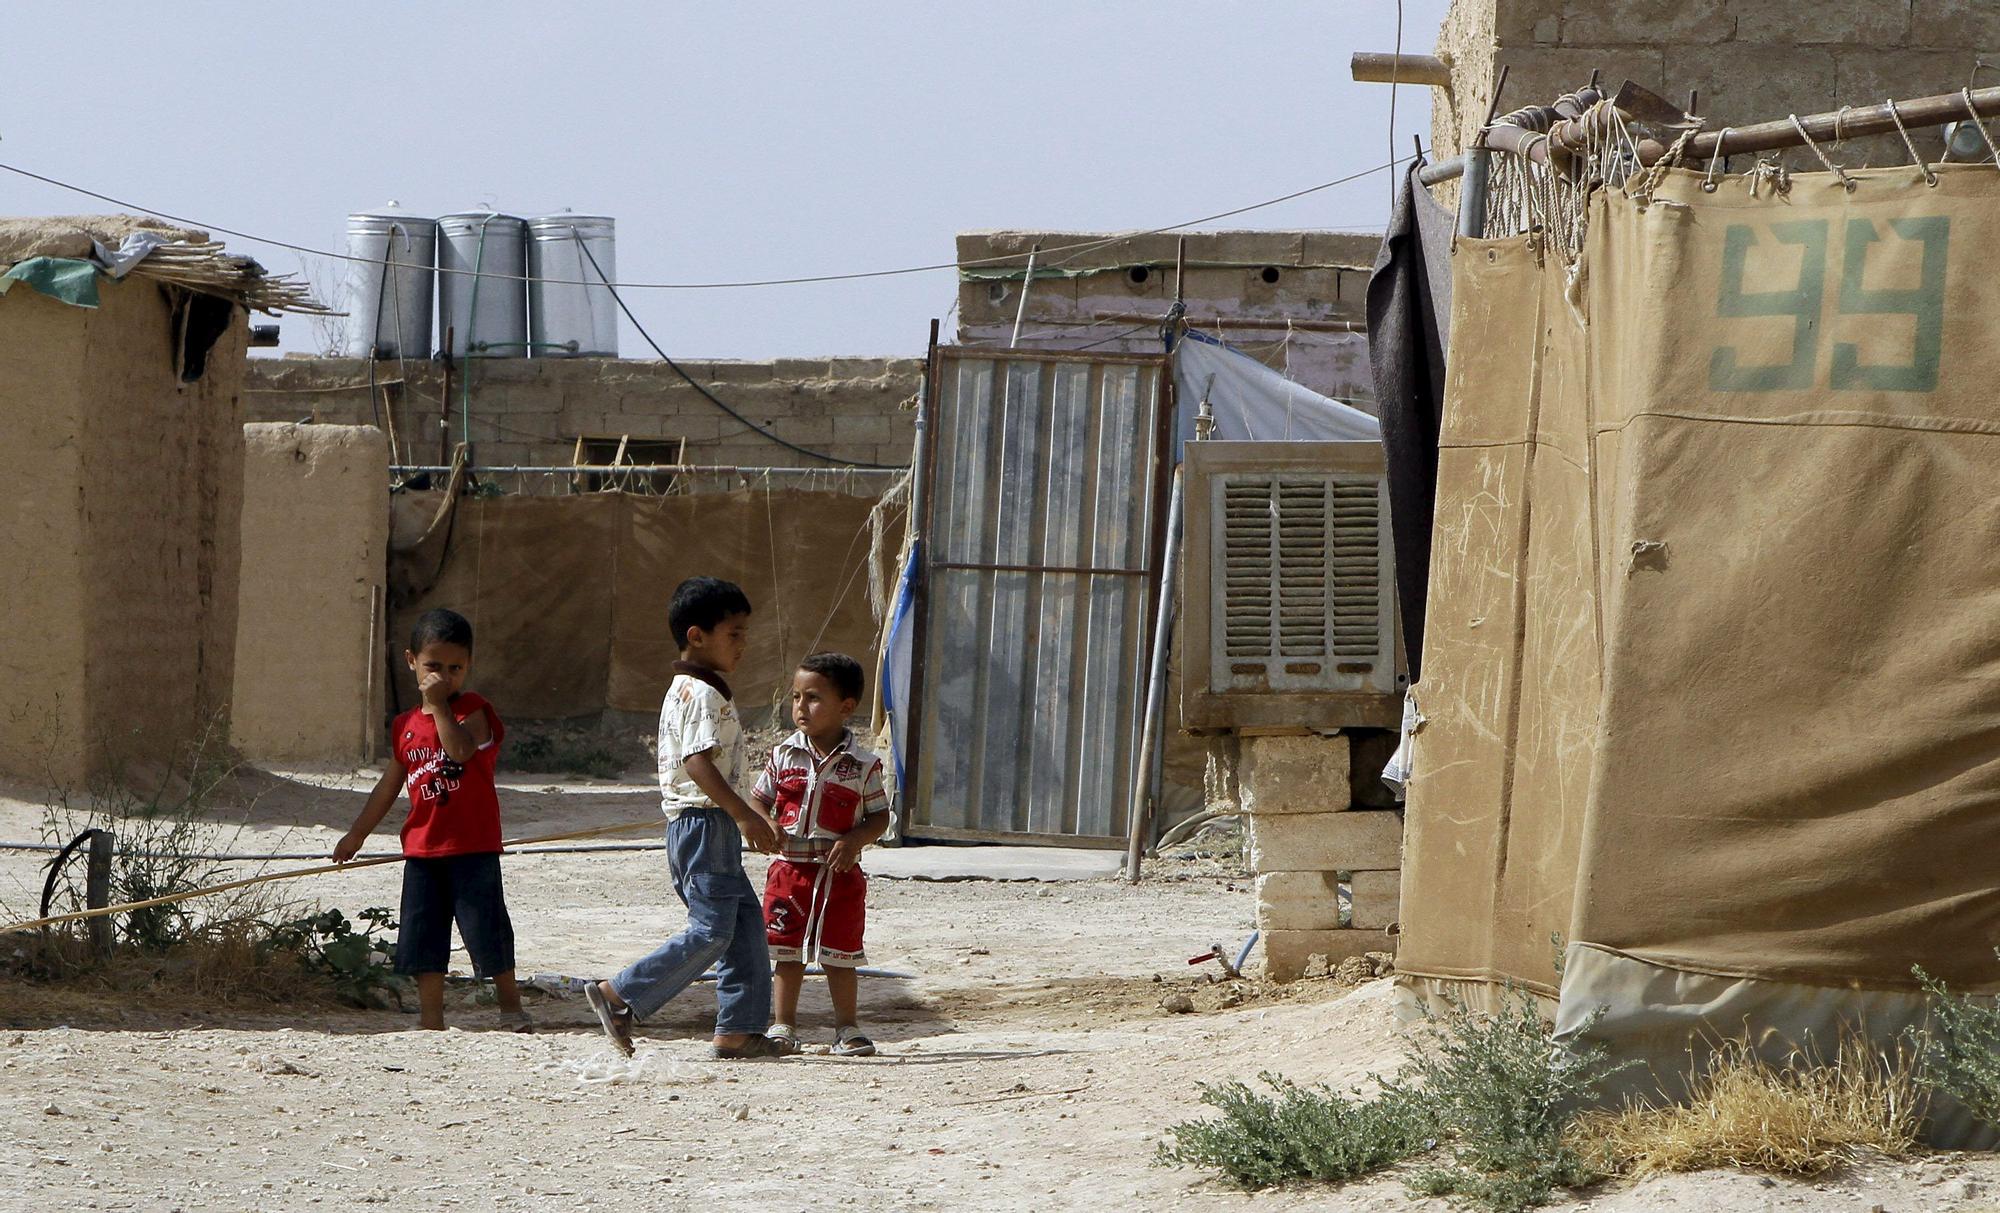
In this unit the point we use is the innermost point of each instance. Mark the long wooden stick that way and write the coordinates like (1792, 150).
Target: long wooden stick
(315, 870)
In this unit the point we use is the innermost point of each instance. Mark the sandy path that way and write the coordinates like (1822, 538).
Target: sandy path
(1027, 1067)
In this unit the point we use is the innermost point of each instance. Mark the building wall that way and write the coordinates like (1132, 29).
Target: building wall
(125, 487)
(1112, 298)
(531, 411)
(315, 555)
(1750, 60)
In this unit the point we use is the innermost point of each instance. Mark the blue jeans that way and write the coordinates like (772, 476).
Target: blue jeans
(725, 928)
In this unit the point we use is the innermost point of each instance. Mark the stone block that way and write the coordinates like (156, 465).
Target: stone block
(1742, 83)
(1294, 774)
(1517, 21)
(1377, 899)
(1869, 23)
(1659, 22)
(1955, 25)
(1358, 840)
(1298, 901)
(1221, 792)
(1286, 952)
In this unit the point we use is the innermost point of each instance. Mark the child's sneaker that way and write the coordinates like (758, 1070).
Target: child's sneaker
(754, 1045)
(851, 1043)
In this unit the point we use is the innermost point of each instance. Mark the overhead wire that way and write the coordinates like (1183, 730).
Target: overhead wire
(998, 259)
(711, 397)
(1002, 259)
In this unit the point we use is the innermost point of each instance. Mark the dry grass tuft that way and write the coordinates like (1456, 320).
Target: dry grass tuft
(1799, 1119)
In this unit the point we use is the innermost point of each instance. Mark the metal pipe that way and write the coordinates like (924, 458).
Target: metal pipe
(1027, 281)
(1472, 193)
(1847, 124)
(1377, 67)
(678, 469)
(1443, 170)
(1141, 815)
(1246, 322)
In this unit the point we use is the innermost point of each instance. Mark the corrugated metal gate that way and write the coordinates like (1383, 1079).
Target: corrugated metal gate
(1044, 493)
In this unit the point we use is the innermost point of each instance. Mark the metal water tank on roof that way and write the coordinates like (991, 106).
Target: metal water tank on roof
(571, 309)
(387, 288)
(483, 284)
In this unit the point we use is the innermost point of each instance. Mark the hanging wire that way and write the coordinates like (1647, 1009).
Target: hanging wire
(998, 260)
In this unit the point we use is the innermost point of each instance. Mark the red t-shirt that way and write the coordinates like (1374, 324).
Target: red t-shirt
(453, 807)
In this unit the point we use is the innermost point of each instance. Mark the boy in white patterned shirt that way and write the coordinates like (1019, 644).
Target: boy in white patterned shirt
(825, 793)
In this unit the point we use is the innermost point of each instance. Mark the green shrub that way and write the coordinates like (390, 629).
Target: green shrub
(1297, 1133)
(1494, 1088)
(1959, 1054)
(356, 961)
(1504, 1095)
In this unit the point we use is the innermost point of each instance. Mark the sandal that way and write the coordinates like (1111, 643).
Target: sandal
(517, 1021)
(851, 1043)
(616, 1021)
(755, 1045)
(784, 1036)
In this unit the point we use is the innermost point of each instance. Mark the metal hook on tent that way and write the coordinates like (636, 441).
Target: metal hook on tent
(1847, 182)
(1708, 182)
(1930, 177)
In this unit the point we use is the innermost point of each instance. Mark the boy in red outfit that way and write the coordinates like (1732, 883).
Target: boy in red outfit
(445, 750)
(825, 793)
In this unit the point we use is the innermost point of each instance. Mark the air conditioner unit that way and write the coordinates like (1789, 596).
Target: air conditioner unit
(1289, 593)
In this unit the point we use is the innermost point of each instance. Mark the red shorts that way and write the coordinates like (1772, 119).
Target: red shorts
(808, 901)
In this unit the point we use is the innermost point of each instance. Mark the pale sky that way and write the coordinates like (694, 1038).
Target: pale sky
(729, 140)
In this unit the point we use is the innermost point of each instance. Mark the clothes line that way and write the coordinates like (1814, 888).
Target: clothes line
(651, 823)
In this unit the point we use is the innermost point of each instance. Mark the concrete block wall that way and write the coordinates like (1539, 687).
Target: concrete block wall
(530, 411)
(1305, 833)
(1750, 60)
(315, 558)
(1274, 293)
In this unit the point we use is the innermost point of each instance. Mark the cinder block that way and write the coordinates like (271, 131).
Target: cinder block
(1286, 952)
(1377, 899)
(1359, 840)
(1294, 774)
(864, 428)
(1298, 901)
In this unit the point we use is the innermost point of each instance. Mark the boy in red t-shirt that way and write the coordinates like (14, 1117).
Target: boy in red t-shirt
(444, 750)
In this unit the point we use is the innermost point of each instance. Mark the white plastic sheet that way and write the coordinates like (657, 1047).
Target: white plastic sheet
(1253, 403)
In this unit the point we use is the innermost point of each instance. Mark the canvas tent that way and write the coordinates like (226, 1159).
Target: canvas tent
(1711, 686)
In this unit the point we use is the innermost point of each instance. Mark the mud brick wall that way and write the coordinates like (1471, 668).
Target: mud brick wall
(125, 484)
(315, 555)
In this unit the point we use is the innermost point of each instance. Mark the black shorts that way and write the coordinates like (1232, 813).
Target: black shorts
(465, 888)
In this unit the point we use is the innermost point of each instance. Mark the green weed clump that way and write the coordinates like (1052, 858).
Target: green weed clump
(1493, 1091)
(1295, 1132)
(1959, 1051)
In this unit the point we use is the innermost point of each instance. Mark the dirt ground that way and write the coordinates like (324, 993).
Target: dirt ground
(1026, 1064)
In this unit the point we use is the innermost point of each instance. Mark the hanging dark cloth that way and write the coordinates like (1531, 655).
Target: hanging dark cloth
(1409, 317)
